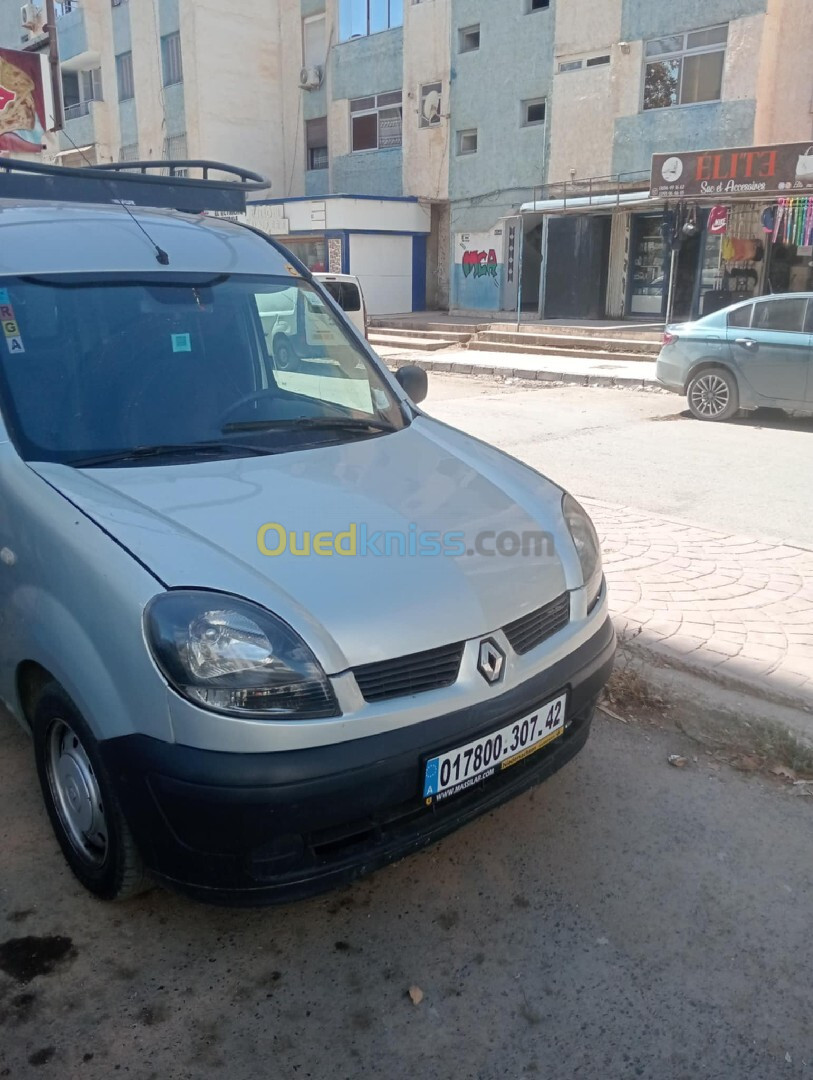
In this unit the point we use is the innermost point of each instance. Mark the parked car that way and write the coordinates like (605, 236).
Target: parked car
(751, 354)
(229, 682)
(347, 292)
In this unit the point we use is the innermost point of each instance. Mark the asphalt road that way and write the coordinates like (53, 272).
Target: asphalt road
(750, 477)
(626, 919)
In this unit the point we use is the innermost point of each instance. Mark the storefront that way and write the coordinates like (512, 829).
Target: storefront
(714, 228)
(737, 223)
(383, 241)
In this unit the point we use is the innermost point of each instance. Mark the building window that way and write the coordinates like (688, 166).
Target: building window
(467, 141)
(312, 250)
(316, 143)
(359, 18)
(533, 112)
(129, 152)
(124, 76)
(171, 59)
(536, 5)
(431, 99)
(175, 150)
(685, 69)
(469, 38)
(314, 41)
(577, 65)
(375, 121)
(79, 88)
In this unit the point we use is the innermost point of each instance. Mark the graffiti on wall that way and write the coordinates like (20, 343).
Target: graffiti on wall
(480, 263)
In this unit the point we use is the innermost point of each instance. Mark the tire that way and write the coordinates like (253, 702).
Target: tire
(712, 394)
(81, 802)
(284, 356)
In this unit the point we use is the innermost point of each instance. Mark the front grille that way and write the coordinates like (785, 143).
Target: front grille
(412, 674)
(531, 630)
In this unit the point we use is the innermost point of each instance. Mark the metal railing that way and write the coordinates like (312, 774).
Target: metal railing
(593, 188)
(81, 108)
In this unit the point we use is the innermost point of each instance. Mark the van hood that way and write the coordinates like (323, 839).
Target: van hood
(196, 525)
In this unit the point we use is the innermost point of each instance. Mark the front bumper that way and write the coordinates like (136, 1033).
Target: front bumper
(271, 827)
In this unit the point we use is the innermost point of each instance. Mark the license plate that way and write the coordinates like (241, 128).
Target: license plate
(461, 768)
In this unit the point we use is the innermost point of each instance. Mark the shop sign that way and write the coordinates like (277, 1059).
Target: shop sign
(750, 170)
(26, 101)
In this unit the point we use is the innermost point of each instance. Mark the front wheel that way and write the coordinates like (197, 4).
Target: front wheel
(81, 802)
(284, 356)
(712, 394)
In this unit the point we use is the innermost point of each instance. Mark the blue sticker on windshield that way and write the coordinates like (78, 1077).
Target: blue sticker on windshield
(4, 296)
(182, 343)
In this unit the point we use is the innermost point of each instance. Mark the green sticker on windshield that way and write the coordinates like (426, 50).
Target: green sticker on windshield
(182, 343)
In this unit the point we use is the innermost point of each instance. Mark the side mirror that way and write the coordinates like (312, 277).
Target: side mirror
(413, 381)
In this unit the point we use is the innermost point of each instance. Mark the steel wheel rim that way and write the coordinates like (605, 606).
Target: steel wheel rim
(76, 794)
(285, 357)
(710, 395)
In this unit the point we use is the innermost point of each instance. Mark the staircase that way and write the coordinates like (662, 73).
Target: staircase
(578, 342)
(424, 336)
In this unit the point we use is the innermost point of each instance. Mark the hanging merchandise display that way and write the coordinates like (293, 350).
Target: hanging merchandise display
(793, 222)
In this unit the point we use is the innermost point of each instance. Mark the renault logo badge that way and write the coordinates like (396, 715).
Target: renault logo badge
(491, 661)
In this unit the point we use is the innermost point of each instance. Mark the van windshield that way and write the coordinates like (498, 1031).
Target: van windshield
(92, 368)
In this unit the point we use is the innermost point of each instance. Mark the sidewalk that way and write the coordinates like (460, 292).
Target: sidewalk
(729, 608)
(634, 374)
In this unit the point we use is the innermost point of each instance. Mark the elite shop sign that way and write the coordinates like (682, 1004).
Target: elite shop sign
(750, 170)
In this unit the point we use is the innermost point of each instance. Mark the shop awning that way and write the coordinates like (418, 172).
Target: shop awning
(591, 202)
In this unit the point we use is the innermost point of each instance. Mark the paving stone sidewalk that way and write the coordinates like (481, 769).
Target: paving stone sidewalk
(728, 606)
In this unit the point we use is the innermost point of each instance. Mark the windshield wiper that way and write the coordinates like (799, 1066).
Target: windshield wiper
(327, 423)
(187, 450)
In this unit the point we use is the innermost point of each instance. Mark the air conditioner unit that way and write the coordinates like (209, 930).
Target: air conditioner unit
(310, 78)
(31, 18)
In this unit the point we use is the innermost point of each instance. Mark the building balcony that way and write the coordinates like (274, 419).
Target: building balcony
(80, 126)
(71, 31)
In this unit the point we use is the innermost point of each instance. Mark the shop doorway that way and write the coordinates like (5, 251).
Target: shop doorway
(532, 262)
(577, 267)
(687, 266)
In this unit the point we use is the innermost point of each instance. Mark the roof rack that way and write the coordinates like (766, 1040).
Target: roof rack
(133, 183)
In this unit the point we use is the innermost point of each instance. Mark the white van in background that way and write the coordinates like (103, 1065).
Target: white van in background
(346, 291)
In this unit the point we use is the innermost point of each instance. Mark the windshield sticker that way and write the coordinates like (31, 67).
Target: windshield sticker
(11, 331)
(182, 343)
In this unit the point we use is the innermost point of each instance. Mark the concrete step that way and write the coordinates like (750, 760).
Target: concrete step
(446, 335)
(627, 331)
(390, 322)
(408, 344)
(550, 350)
(589, 342)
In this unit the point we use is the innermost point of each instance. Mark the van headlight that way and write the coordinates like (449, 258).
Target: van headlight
(585, 539)
(235, 657)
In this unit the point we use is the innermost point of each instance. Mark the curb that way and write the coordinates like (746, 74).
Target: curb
(729, 712)
(532, 375)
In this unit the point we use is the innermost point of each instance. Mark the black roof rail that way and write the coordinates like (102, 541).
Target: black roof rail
(134, 183)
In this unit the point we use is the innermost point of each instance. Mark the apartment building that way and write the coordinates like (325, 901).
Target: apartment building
(439, 147)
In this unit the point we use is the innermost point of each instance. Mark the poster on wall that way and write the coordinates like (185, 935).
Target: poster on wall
(26, 101)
